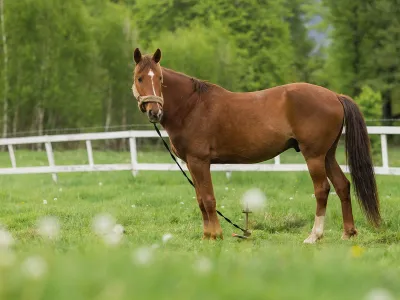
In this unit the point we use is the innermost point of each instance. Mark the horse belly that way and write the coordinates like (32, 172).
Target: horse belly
(249, 150)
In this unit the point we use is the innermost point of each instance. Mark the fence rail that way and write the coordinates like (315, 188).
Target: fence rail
(135, 167)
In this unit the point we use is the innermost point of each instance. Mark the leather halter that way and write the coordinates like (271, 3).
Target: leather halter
(146, 99)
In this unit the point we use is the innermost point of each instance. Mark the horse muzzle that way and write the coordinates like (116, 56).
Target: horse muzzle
(155, 116)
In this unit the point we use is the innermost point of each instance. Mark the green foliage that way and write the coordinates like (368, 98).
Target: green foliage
(270, 36)
(202, 52)
(370, 102)
(365, 42)
(70, 62)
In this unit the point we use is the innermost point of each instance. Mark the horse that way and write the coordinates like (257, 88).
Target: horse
(208, 124)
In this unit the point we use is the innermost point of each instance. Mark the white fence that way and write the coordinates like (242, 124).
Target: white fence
(134, 166)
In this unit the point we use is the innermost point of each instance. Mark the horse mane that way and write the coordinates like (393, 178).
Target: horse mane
(200, 86)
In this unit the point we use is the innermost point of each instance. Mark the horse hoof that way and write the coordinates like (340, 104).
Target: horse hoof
(312, 239)
(206, 236)
(349, 234)
(217, 236)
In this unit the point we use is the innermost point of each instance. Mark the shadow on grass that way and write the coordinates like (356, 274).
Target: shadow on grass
(288, 223)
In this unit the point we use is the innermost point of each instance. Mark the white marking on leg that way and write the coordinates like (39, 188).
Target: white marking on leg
(319, 225)
(151, 74)
(317, 230)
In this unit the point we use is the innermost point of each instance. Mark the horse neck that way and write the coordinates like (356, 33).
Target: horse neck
(179, 98)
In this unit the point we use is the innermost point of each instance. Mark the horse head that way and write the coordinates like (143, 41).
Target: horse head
(147, 81)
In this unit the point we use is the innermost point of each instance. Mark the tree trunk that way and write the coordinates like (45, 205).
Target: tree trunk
(15, 122)
(108, 114)
(387, 107)
(5, 68)
(39, 123)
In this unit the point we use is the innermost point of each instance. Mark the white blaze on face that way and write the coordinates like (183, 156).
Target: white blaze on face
(151, 74)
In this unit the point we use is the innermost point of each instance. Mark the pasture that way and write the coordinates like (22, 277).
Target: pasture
(273, 264)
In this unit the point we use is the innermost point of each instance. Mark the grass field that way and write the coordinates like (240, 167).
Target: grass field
(273, 264)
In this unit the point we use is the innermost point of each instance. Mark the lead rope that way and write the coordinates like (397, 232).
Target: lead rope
(246, 233)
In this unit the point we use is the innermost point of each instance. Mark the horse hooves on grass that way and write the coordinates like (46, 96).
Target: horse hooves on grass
(348, 235)
(312, 239)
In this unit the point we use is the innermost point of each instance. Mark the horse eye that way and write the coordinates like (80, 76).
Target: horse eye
(160, 78)
(140, 79)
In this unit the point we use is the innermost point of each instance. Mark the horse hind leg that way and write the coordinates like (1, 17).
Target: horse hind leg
(316, 167)
(342, 187)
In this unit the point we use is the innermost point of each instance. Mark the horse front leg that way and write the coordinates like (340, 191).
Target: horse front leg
(200, 170)
(206, 230)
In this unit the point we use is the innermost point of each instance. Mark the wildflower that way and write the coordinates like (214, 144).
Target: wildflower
(253, 199)
(166, 237)
(203, 265)
(379, 294)
(356, 251)
(142, 255)
(6, 239)
(34, 267)
(49, 227)
(103, 224)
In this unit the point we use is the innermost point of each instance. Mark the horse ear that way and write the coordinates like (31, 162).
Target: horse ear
(137, 55)
(157, 56)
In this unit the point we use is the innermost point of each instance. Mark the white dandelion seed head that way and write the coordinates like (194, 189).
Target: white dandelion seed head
(112, 238)
(379, 294)
(34, 267)
(133, 205)
(291, 198)
(166, 237)
(203, 265)
(254, 199)
(183, 202)
(118, 229)
(48, 227)
(142, 255)
(55, 199)
(6, 239)
(100, 183)
(103, 224)
(226, 188)
(44, 201)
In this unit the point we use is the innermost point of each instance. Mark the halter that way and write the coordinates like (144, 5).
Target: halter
(146, 99)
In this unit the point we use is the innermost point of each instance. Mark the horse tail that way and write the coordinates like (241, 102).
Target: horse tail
(359, 160)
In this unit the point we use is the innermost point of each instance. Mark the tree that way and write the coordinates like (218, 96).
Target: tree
(5, 70)
(365, 42)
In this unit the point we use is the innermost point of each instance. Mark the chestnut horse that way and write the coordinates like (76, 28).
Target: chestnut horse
(208, 124)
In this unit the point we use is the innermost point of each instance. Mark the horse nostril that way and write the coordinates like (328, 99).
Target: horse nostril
(152, 113)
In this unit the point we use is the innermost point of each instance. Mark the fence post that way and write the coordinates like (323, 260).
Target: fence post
(12, 156)
(89, 152)
(385, 156)
(277, 160)
(133, 151)
(50, 157)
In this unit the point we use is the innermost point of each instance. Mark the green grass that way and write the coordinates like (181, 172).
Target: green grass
(273, 264)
